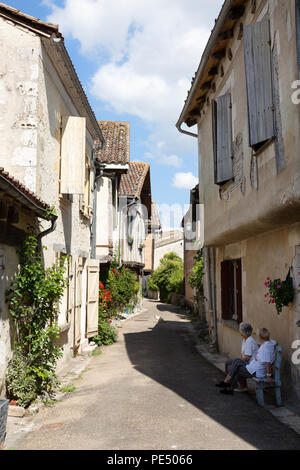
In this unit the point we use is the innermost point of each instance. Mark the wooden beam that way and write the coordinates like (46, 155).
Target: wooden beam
(241, 32)
(236, 13)
(213, 71)
(226, 34)
(219, 54)
(206, 85)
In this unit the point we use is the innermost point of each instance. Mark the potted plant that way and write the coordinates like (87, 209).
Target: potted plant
(281, 293)
(141, 246)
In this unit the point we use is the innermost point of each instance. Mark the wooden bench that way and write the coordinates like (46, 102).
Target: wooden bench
(262, 384)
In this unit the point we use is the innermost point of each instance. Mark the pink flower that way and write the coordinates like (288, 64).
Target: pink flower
(278, 287)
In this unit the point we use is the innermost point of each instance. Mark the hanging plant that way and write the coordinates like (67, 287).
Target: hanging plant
(141, 246)
(130, 241)
(280, 293)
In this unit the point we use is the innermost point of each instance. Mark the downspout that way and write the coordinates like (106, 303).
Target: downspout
(192, 134)
(215, 337)
(101, 167)
(46, 232)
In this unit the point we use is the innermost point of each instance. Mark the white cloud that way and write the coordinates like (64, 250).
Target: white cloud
(147, 53)
(184, 180)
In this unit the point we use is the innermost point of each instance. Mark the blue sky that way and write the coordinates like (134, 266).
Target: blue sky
(135, 60)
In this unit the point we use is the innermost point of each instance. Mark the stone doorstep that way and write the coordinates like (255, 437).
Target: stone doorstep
(16, 411)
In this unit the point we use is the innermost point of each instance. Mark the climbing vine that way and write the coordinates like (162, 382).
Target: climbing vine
(33, 302)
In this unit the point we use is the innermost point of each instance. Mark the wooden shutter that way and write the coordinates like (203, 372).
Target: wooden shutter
(78, 302)
(224, 153)
(297, 14)
(70, 291)
(239, 291)
(214, 134)
(226, 288)
(73, 155)
(258, 68)
(92, 298)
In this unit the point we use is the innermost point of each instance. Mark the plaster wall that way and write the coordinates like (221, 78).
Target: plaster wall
(33, 100)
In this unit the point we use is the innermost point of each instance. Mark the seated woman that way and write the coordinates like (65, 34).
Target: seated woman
(248, 352)
(259, 367)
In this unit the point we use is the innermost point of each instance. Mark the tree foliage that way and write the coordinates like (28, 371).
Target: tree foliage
(168, 277)
(196, 278)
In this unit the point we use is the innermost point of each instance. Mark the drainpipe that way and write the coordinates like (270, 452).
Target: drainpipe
(215, 338)
(101, 167)
(186, 132)
(211, 280)
(46, 232)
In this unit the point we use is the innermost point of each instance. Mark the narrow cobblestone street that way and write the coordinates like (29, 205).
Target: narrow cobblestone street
(152, 390)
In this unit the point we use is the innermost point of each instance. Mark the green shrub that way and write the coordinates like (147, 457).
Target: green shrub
(33, 302)
(21, 383)
(168, 277)
(107, 334)
(196, 278)
(124, 288)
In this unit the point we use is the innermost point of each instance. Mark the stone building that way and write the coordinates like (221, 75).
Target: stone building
(113, 161)
(47, 135)
(135, 207)
(244, 102)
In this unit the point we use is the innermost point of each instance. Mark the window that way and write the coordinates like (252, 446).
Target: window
(259, 82)
(222, 139)
(231, 290)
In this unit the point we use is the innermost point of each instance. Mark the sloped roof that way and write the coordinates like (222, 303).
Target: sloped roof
(116, 149)
(132, 182)
(32, 23)
(20, 192)
(203, 80)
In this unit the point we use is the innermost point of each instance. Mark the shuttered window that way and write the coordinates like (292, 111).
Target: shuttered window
(222, 139)
(231, 290)
(259, 81)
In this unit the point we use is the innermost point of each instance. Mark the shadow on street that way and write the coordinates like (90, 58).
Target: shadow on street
(167, 355)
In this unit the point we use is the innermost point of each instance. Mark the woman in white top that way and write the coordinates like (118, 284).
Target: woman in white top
(259, 367)
(248, 351)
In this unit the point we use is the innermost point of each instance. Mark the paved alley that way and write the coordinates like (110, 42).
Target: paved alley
(152, 390)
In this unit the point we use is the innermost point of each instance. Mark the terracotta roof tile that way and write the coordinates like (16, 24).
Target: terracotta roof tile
(117, 142)
(21, 188)
(132, 182)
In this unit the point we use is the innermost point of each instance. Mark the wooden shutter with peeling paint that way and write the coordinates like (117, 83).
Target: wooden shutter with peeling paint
(259, 81)
(223, 139)
(78, 302)
(92, 298)
(72, 179)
